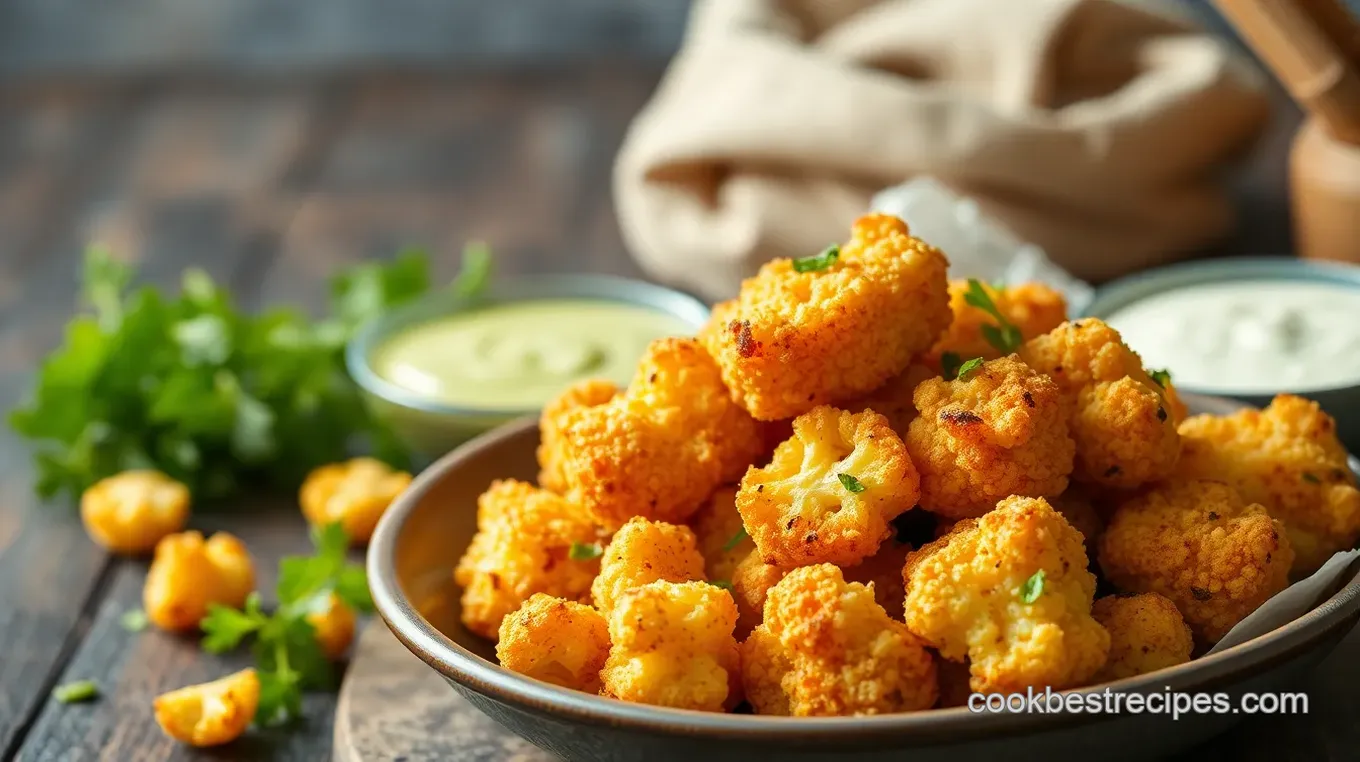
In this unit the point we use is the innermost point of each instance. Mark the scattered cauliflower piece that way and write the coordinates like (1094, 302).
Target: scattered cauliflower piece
(893, 400)
(355, 493)
(1124, 433)
(830, 490)
(1002, 430)
(793, 340)
(672, 645)
(844, 655)
(659, 449)
(188, 574)
(722, 538)
(642, 552)
(1201, 545)
(1287, 458)
(334, 626)
(1011, 592)
(582, 394)
(1147, 633)
(130, 512)
(1034, 308)
(522, 546)
(210, 714)
(560, 642)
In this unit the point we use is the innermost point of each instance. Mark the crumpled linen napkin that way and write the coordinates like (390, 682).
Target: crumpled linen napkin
(1094, 129)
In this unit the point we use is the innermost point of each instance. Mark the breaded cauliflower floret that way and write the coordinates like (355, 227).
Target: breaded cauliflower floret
(763, 667)
(893, 400)
(210, 714)
(1001, 430)
(333, 625)
(188, 574)
(830, 491)
(659, 449)
(722, 539)
(793, 340)
(1034, 308)
(1124, 432)
(641, 552)
(845, 655)
(673, 646)
(751, 583)
(1011, 592)
(1287, 458)
(560, 642)
(1147, 633)
(1200, 544)
(522, 546)
(355, 493)
(130, 512)
(591, 392)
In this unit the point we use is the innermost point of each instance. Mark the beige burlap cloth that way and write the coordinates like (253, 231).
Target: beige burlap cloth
(1093, 128)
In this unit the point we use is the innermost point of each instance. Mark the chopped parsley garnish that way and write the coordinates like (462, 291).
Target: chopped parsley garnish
(1311, 478)
(736, 540)
(1161, 377)
(821, 261)
(1004, 336)
(133, 620)
(581, 551)
(76, 692)
(1033, 588)
(967, 368)
(850, 483)
(950, 363)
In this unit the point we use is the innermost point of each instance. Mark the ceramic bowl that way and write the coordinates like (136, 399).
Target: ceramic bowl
(418, 541)
(1342, 402)
(432, 428)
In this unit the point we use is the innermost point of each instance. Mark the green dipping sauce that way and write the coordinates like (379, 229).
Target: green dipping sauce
(519, 355)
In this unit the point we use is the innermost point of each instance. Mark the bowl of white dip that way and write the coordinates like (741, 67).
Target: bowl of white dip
(1247, 328)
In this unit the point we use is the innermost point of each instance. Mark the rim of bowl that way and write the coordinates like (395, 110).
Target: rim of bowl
(460, 665)
(1132, 288)
(519, 288)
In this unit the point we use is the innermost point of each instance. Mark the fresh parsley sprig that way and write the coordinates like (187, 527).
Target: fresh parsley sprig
(1004, 336)
(288, 658)
(817, 262)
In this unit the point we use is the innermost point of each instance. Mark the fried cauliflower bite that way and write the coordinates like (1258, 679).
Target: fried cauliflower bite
(1147, 633)
(130, 512)
(844, 654)
(188, 574)
(1287, 458)
(355, 493)
(210, 714)
(722, 540)
(1201, 545)
(589, 393)
(763, 667)
(1001, 431)
(522, 546)
(830, 490)
(967, 596)
(751, 583)
(1124, 432)
(334, 627)
(659, 449)
(560, 642)
(672, 645)
(793, 340)
(641, 552)
(893, 400)
(1034, 308)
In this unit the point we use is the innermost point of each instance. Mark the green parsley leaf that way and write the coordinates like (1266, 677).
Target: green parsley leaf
(1004, 336)
(821, 261)
(581, 551)
(1311, 478)
(850, 483)
(735, 540)
(133, 620)
(1161, 377)
(721, 583)
(967, 368)
(224, 627)
(950, 362)
(476, 271)
(76, 692)
(1033, 588)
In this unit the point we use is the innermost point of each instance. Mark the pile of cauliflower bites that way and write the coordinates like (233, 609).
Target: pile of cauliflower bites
(864, 489)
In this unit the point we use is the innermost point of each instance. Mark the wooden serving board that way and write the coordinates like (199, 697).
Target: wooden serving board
(393, 707)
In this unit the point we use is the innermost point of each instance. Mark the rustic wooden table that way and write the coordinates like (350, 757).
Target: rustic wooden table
(270, 185)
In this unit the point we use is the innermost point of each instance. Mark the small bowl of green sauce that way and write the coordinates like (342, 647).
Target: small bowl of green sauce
(448, 367)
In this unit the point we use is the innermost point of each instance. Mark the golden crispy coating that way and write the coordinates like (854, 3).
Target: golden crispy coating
(673, 646)
(721, 537)
(893, 400)
(1001, 431)
(560, 642)
(1174, 404)
(791, 341)
(334, 627)
(188, 574)
(845, 655)
(522, 546)
(1124, 432)
(591, 392)
(763, 667)
(210, 714)
(1200, 544)
(967, 593)
(883, 572)
(1034, 308)
(130, 512)
(830, 491)
(641, 552)
(751, 583)
(1147, 633)
(659, 449)
(1287, 458)
(355, 493)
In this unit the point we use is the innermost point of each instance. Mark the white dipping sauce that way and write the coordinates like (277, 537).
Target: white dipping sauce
(1249, 336)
